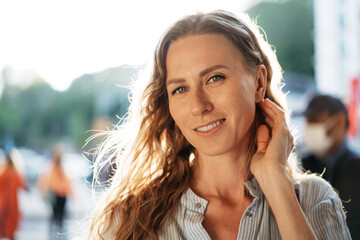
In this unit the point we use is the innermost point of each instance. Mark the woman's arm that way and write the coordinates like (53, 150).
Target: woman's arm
(269, 168)
(279, 192)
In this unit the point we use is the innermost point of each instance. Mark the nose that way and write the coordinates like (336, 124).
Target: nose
(200, 103)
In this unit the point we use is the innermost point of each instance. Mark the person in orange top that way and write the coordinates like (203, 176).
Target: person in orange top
(10, 183)
(56, 186)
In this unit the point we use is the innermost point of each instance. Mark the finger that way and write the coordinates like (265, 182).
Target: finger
(271, 108)
(274, 112)
(269, 122)
(262, 138)
(268, 119)
(266, 110)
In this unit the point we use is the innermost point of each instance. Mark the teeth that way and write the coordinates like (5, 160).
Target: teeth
(209, 127)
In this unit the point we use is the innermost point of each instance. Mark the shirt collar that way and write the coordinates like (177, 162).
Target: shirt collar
(253, 187)
(197, 204)
(193, 202)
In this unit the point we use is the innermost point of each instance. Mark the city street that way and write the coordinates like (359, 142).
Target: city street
(36, 213)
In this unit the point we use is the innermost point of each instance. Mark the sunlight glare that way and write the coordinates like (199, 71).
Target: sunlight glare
(62, 40)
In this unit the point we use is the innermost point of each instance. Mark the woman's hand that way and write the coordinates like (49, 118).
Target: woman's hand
(272, 152)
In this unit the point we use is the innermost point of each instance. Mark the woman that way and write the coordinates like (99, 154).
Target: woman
(10, 183)
(210, 158)
(55, 185)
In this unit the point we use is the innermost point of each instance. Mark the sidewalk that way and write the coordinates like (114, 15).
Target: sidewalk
(35, 224)
(38, 229)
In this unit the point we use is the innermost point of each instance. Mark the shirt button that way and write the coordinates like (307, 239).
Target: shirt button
(249, 214)
(198, 205)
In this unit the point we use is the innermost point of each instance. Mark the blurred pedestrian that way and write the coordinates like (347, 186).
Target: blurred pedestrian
(325, 137)
(56, 187)
(10, 182)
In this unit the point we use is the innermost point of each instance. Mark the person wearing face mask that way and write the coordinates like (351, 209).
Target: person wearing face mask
(325, 138)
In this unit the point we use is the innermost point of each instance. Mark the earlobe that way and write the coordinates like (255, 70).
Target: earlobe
(261, 83)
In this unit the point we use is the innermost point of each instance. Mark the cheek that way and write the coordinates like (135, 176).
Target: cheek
(243, 107)
(171, 109)
(180, 116)
(176, 114)
(238, 100)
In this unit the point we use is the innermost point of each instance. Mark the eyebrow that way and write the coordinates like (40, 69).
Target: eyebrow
(201, 74)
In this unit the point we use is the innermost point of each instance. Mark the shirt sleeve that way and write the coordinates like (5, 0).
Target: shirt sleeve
(328, 221)
(323, 209)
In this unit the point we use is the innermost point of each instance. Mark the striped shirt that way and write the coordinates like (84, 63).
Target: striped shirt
(319, 202)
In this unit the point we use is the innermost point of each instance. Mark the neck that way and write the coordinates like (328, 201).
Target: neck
(220, 176)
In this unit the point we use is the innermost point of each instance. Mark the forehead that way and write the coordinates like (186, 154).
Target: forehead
(320, 117)
(201, 50)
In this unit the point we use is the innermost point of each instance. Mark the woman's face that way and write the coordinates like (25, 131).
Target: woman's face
(212, 94)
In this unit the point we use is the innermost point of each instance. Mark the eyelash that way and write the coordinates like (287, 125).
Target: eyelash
(176, 90)
(216, 76)
(210, 79)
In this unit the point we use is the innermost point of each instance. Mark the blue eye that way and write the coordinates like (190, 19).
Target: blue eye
(216, 78)
(179, 90)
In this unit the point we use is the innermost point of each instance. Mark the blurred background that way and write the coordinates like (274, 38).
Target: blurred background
(62, 64)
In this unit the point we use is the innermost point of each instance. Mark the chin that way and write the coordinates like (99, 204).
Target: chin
(213, 151)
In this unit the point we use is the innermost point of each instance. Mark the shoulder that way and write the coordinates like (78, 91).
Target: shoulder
(349, 167)
(351, 158)
(104, 225)
(313, 190)
(322, 207)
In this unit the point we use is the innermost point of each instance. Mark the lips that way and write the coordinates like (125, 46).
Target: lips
(210, 126)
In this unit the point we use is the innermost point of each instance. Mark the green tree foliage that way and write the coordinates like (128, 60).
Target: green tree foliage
(36, 116)
(9, 118)
(289, 27)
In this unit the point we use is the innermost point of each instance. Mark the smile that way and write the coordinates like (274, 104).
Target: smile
(210, 126)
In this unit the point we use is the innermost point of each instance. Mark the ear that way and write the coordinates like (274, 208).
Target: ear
(339, 125)
(260, 82)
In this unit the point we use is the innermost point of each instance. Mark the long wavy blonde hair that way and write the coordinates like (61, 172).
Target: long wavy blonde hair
(153, 159)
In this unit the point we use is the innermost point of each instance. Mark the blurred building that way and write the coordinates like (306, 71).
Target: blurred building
(337, 46)
(337, 55)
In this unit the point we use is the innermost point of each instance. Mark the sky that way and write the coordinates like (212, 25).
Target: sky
(62, 40)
